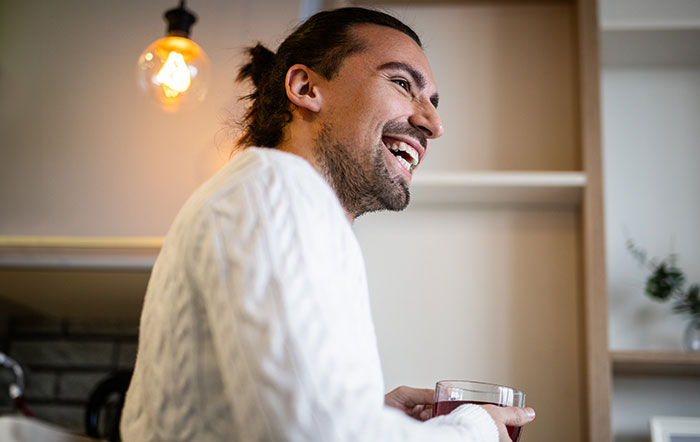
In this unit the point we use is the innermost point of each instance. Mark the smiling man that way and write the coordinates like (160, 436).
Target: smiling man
(370, 121)
(256, 323)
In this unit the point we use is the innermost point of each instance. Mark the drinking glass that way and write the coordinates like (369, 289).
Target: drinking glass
(451, 394)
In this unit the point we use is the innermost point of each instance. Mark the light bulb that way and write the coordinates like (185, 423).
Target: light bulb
(174, 70)
(174, 76)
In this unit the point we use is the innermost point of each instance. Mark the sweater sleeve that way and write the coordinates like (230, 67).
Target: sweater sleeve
(281, 326)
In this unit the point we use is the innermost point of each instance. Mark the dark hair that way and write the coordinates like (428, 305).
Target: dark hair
(321, 43)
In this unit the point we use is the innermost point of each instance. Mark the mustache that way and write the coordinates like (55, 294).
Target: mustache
(397, 128)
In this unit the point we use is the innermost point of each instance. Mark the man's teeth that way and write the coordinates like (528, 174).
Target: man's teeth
(404, 163)
(412, 153)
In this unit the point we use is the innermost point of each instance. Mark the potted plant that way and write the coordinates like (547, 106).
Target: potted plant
(667, 282)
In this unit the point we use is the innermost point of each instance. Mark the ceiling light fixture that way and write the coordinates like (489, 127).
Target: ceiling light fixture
(174, 70)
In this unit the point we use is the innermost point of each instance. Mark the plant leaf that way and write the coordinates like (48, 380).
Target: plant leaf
(689, 302)
(664, 281)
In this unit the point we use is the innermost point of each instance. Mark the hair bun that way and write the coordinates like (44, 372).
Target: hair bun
(258, 68)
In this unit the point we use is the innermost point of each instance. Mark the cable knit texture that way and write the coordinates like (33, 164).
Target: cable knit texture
(256, 324)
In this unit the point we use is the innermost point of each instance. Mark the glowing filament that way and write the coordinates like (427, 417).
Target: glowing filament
(174, 75)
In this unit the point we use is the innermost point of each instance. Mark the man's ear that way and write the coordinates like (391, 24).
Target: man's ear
(302, 89)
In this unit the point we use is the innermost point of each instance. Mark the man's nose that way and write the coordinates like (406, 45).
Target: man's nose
(427, 120)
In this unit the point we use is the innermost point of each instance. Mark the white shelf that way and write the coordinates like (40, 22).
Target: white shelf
(651, 42)
(125, 253)
(514, 188)
(649, 14)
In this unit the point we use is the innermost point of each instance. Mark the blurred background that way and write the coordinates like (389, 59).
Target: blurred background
(556, 153)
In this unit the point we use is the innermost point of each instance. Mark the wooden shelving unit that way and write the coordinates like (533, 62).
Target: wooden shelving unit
(638, 363)
(525, 154)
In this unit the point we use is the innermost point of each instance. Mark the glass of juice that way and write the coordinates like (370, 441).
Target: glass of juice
(451, 394)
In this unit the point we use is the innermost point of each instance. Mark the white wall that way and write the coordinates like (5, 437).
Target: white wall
(651, 160)
(652, 187)
(481, 293)
(83, 153)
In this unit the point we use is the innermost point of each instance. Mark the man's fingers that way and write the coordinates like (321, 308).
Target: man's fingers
(425, 415)
(416, 396)
(427, 395)
(517, 417)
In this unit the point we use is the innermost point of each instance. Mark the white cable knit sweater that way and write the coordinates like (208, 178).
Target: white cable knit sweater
(256, 324)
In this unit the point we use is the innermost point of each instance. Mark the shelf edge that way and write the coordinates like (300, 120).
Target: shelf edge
(501, 179)
(65, 252)
(88, 242)
(655, 363)
(650, 26)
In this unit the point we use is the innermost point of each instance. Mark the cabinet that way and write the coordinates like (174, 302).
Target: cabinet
(75, 277)
(650, 96)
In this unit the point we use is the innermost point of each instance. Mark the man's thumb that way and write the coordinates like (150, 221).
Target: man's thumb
(519, 416)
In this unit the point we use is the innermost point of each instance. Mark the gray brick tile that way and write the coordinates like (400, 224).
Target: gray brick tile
(79, 386)
(127, 354)
(62, 353)
(39, 385)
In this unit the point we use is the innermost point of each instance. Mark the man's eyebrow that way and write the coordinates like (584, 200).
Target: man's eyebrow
(417, 77)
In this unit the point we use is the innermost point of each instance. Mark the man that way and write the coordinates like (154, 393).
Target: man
(256, 324)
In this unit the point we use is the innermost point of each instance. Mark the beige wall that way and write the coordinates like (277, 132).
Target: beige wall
(486, 294)
(83, 153)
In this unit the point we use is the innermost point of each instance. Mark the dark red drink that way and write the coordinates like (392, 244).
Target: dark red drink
(446, 407)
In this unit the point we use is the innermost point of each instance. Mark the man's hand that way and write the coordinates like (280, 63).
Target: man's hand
(511, 416)
(415, 402)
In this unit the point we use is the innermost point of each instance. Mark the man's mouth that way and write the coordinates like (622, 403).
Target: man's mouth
(406, 155)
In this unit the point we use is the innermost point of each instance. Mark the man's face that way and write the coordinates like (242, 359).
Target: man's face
(378, 114)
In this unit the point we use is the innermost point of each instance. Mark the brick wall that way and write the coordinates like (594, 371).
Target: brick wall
(63, 362)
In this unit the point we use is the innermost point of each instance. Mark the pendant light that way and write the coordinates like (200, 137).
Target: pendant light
(174, 70)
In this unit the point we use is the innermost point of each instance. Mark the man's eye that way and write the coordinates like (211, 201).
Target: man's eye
(403, 83)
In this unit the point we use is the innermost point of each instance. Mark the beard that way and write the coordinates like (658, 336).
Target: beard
(362, 184)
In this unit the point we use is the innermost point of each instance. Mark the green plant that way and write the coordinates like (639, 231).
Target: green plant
(666, 281)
